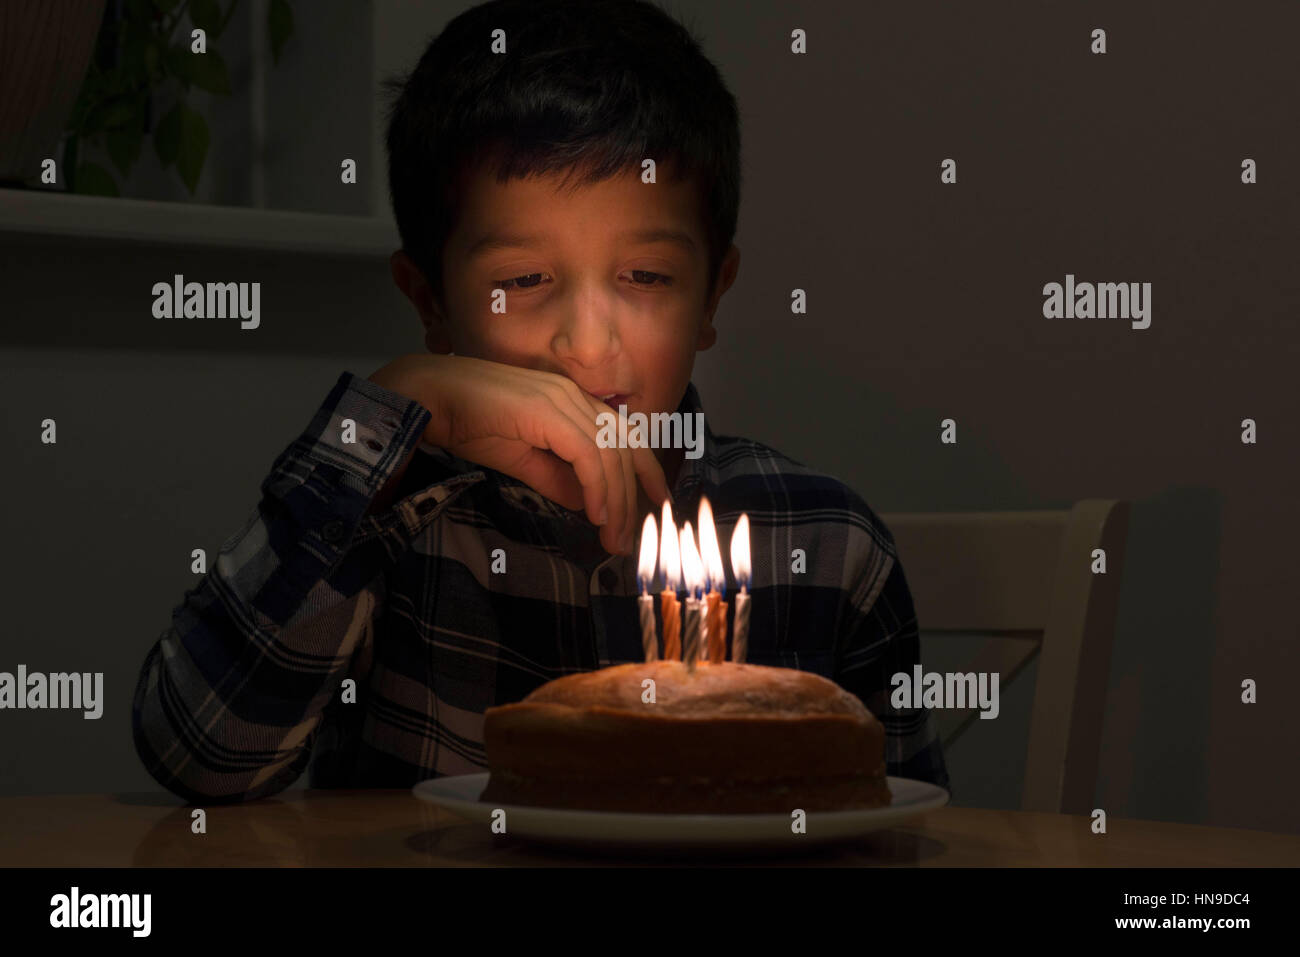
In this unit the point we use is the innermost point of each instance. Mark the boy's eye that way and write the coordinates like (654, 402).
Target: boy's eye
(637, 273)
(535, 278)
(523, 282)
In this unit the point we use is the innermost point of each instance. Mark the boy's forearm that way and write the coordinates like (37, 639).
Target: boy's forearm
(266, 589)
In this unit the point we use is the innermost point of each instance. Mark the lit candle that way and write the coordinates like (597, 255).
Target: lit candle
(670, 566)
(715, 615)
(740, 565)
(646, 571)
(693, 573)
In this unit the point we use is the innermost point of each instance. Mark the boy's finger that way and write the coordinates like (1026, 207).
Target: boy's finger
(627, 473)
(553, 477)
(622, 468)
(633, 521)
(617, 475)
(584, 410)
(651, 474)
(627, 479)
(569, 441)
(616, 499)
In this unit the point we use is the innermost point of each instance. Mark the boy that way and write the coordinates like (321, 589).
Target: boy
(516, 178)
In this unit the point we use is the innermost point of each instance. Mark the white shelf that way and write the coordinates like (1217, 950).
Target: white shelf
(49, 213)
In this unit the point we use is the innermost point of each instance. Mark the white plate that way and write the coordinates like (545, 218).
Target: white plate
(460, 795)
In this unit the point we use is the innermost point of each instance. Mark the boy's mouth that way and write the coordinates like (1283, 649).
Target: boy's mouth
(613, 400)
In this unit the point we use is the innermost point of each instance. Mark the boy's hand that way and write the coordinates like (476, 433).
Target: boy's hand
(539, 427)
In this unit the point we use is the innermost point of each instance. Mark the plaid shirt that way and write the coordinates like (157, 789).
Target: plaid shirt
(245, 688)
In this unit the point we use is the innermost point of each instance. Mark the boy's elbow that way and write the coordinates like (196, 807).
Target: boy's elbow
(197, 784)
(190, 775)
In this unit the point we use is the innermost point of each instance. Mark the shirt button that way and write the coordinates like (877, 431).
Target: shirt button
(332, 530)
(608, 579)
(374, 445)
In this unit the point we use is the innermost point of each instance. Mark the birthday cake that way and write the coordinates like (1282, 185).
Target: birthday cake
(723, 738)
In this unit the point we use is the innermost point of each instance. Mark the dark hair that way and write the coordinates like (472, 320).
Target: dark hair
(588, 86)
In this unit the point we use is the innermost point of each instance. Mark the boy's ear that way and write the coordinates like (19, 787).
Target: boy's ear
(726, 276)
(409, 279)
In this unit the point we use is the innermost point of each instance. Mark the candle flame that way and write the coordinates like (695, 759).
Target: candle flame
(670, 563)
(645, 568)
(692, 567)
(710, 551)
(740, 551)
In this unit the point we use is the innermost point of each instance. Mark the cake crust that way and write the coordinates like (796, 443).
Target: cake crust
(724, 738)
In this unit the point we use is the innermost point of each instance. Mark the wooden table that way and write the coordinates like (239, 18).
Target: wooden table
(306, 828)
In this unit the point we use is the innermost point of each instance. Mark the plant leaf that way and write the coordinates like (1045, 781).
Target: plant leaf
(279, 19)
(121, 111)
(94, 180)
(206, 15)
(193, 147)
(207, 71)
(167, 137)
(113, 108)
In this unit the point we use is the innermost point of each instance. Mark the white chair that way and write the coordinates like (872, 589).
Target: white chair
(1026, 577)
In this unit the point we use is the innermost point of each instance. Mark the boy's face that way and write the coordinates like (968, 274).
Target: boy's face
(585, 297)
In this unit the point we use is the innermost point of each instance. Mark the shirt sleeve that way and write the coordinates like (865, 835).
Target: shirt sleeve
(881, 640)
(231, 695)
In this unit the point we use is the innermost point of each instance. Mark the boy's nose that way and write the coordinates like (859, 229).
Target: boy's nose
(587, 336)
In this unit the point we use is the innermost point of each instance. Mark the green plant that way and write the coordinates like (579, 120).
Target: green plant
(136, 56)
